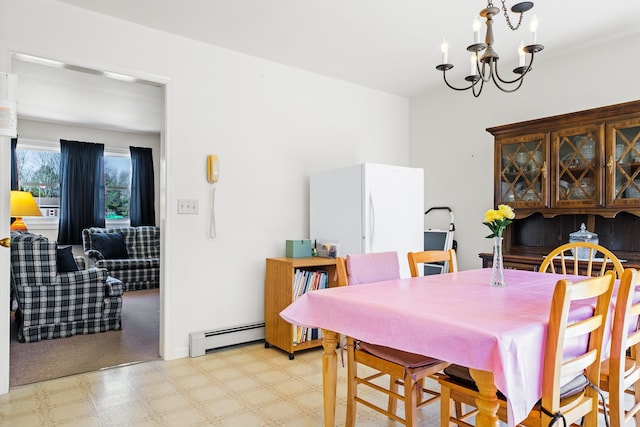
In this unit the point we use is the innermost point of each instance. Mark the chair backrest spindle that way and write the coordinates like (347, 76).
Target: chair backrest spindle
(580, 258)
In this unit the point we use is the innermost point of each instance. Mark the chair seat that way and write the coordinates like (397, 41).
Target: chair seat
(629, 365)
(403, 358)
(461, 375)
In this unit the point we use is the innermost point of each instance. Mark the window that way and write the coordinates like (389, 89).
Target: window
(38, 170)
(117, 180)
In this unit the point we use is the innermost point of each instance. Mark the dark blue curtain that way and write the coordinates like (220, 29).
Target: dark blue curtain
(15, 182)
(141, 206)
(14, 165)
(81, 189)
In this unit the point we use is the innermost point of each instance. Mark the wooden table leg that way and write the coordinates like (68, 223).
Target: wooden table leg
(487, 399)
(329, 376)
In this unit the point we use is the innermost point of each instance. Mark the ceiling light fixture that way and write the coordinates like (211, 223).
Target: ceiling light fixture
(485, 68)
(59, 64)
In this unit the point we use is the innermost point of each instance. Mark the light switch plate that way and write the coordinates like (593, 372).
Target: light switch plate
(187, 206)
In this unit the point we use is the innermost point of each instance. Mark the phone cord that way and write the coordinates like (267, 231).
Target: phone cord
(212, 225)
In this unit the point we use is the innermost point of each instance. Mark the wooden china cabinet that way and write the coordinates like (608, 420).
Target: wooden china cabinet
(561, 171)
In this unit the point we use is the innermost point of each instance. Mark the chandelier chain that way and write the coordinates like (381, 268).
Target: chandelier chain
(506, 15)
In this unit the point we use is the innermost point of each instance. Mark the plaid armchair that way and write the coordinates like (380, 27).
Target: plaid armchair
(54, 304)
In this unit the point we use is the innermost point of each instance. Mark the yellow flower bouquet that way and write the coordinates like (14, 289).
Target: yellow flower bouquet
(498, 219)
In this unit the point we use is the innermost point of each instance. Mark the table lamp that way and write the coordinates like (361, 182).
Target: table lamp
(22, 204)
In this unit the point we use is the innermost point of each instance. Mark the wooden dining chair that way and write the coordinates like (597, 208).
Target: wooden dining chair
(568, 375)
(563, 260)
(620, 374)
(429, 257)
(402, 368)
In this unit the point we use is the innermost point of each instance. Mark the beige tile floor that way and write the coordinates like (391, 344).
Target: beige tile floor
(243, 386)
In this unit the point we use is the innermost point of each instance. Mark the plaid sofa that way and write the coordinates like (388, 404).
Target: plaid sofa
(54, 304)
(139, 268)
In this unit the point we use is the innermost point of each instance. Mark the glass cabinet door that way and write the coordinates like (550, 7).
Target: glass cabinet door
(523, 171)
(623, 164)
(578, 166)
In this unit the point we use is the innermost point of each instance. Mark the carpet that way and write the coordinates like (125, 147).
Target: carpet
(137, 341)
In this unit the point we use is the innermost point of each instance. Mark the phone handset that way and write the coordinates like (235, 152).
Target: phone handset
(213, 174)
(213, 168)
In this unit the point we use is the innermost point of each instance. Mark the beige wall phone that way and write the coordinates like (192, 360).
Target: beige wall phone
(213, 173)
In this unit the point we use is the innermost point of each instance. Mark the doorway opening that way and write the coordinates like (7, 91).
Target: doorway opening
(57, 101)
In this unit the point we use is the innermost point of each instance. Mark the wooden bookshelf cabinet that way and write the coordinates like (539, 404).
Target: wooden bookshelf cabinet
(558, 172)
(278, 294)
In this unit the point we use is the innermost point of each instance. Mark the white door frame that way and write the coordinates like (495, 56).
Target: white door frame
(5, 315)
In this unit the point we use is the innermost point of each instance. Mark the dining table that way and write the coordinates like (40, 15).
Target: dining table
(497, 332)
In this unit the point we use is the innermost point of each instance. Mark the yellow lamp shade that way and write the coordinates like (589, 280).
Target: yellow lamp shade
(22, 204)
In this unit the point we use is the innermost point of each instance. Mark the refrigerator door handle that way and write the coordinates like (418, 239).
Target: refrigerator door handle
(372, 222)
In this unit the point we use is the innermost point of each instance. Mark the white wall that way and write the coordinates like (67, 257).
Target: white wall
(449, 140)
(271, 125)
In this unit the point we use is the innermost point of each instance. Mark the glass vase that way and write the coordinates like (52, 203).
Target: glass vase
(497, 270)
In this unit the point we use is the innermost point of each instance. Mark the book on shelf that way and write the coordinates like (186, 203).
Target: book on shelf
(308, 280)
(299, 282)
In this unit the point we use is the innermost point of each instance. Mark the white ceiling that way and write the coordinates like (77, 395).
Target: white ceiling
(58, 94)
(389, 45)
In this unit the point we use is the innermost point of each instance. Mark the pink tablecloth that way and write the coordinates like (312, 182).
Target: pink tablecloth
(456, 317)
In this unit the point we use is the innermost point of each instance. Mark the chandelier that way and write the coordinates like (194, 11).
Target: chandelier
(484, 68)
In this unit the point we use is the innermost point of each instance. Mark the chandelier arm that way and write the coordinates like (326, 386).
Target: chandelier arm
(473, 88)
(520, 80)
(483, 76)
(530, 64)
(516, 80)
(444, 74)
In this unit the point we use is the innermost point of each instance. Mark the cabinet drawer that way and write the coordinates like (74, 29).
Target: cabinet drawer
(521, 266)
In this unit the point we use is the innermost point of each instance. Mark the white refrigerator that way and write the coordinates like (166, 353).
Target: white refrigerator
(369, 208)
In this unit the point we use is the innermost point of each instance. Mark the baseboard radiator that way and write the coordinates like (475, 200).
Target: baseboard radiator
(201, 342)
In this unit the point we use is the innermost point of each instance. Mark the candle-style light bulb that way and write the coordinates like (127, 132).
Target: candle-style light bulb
(533, 28)
(521, 54)
(444, 48)
(476, 29)
(472, 65)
